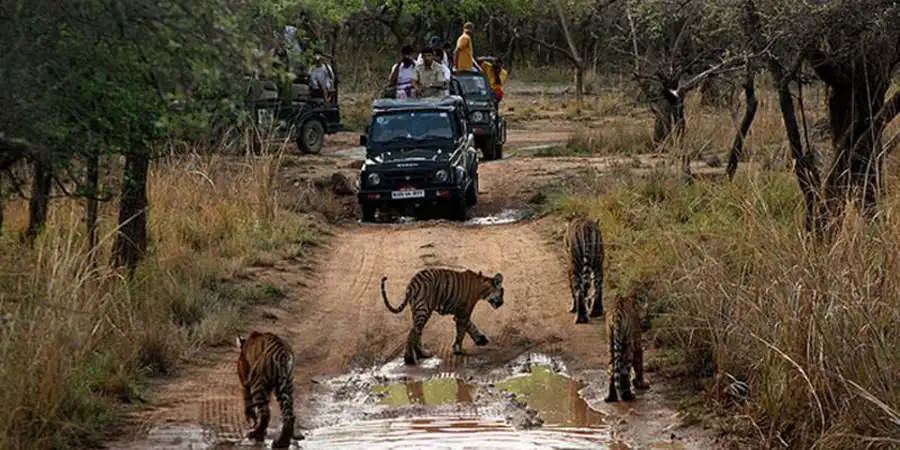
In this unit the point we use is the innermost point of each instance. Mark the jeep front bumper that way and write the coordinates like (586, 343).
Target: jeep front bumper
(410, 197)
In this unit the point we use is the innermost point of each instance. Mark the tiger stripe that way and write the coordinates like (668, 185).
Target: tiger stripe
(446, 292)
(266, 364)
(584, 250)
(623, 331)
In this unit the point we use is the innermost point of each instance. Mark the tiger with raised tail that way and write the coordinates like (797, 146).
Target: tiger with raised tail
(266, 364)
(445, 291)
(584, 251)
(623, 331)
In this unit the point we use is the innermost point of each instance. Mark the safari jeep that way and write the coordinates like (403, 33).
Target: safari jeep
(484, 117)
(303, 119)
(418, 153)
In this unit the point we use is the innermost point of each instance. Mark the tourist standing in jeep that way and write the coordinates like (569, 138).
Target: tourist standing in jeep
(321, 78)
(402, 74)
(429, 78)
(464, 56)
(495, 73)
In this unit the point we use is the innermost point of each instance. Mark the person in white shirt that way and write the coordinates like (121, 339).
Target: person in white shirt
(402, 74)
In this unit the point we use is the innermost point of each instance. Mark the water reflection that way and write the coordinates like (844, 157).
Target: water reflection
(437, 391)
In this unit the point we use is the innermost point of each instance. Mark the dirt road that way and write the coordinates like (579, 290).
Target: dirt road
(336, 321)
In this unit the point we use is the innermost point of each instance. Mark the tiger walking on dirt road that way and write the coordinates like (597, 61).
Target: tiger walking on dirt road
(584, 251)
(266, 364)
(445, 291)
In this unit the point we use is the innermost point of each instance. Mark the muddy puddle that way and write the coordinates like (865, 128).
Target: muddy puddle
(530, 403)
(505, 216)
(521, 406)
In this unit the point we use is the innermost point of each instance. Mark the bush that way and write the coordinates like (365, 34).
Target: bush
(78, 339)
(798, 342)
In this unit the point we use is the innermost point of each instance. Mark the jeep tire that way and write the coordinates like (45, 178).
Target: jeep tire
(472, 192)
(491, 150)
(311, 137)
(367, 212)
(459, 210)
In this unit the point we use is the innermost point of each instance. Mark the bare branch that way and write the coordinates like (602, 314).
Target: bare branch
(695, 81)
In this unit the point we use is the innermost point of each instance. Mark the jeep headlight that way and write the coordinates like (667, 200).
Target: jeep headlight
(493, 115)
(477, 116)
(460, 174)
(441, 176)
(374, 179)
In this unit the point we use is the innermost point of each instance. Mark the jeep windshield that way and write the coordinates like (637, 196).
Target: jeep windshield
(474, 85)
(411, 127)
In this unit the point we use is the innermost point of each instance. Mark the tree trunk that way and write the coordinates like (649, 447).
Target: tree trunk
(131, 241)
(670, 124)
(804, 163)
(579, 86)
(855, 172)
(737, 147)
(668, 111)
(40, 200)
(92, 183)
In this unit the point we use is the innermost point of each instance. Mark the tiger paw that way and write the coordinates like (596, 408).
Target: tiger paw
(641, 384)
(628, 396)
(582, 319)
(410, 360)
(457, 350)
(481, 341)
(257, 434)
(282, 442)
(611, 398)
(596, 313)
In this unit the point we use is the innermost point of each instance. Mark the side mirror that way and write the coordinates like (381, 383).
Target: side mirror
(363, 140)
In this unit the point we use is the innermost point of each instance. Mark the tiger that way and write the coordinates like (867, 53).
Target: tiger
(266, 364)
(584, 250)
(623, 331)
(445, 291)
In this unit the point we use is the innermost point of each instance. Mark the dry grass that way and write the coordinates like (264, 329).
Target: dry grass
(795, 343)
(77, 340)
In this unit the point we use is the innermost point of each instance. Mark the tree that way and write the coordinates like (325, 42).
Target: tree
(561, 11)
(95, 77)
(675, 45)
(852, 47)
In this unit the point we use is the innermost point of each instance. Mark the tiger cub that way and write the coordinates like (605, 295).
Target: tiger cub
(445, 291)
(623, 331)
(266, 364)
(584, 250)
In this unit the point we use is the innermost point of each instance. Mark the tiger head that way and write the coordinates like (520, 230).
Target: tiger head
(493, 289)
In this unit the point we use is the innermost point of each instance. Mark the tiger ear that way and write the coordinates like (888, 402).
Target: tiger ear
(498, 279)
(240, 340)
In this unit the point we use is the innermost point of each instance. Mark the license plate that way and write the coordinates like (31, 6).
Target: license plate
(414, 193)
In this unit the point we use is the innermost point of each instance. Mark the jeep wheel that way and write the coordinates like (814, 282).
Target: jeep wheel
(367, 212)
(472, 192)
(490, 150)
(311, 137)
(459, 210)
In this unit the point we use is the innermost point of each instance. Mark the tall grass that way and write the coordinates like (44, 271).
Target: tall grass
(796, 342)
(76, 340)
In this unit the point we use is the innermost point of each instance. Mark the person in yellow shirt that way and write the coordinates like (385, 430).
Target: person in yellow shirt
(495, 73)
(463, 57)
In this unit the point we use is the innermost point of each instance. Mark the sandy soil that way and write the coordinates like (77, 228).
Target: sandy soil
(335, 319)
